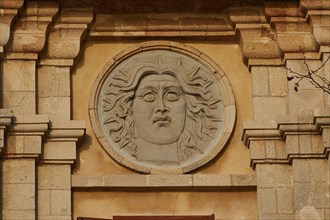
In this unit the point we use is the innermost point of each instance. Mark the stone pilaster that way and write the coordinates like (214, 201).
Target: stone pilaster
(19, 65)
(54, 99)
(23, 148)
(291, 155)
(24, 140)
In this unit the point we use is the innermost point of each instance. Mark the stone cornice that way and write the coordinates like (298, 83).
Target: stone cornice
(9, 11)
(30, 31)
(288, 138)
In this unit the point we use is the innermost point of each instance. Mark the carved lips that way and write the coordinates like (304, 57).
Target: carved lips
(161, 120)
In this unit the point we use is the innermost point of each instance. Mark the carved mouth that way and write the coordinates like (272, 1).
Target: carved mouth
(162, 119)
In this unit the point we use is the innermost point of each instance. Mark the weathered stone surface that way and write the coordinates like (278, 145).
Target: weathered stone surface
(19, 196)
(59, 150)
(274, 175)
(267, 202)
(285, 200)
(44, 203)
(20, 171)
(54, 177)
(60, 202)
(276, 106)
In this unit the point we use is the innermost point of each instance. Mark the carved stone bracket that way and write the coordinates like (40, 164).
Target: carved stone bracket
(8, 13)
(65, 37)
(29, 34)
(60, 144)
(288, 138)
(24, 138)
(6, 116)
(281, 31)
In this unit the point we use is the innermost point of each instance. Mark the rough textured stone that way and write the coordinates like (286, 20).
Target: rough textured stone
(54, 177)
(267, 202)
(18, 171)
(19, 197)
(60, 202)
(260, 81)
(285, 200)
(276, 106)
(274, 175)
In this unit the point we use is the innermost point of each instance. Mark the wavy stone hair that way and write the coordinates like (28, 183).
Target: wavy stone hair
(201, 121)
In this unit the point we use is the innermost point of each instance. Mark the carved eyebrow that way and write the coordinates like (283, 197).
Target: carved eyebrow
(143, 90)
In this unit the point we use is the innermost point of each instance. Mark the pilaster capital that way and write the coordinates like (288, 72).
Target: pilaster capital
(24, 138)
(61, 142)
(65, 37)
(289, 137)
(30, 31)
(8, 13)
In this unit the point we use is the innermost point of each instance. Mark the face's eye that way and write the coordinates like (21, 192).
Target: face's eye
(149, 97)
(172, 96)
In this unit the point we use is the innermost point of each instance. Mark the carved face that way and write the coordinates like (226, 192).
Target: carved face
(159, 109)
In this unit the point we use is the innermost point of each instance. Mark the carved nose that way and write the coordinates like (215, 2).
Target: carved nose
(161, 107)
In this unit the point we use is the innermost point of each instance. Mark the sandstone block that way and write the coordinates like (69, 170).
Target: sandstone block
(24, 145)
(44, 202)
(209, 180)
(274, 175)
(285, 200)
(278, 81)
(21, 102)
(18, 171)
(19, 196)
(170, 180)
(53, 81)
(60, 202)
(54, 176)
(58, 108)
(18, 214)
(19, 76)
(125, 181)
(260, 81)
(59, 150)
(269, 108)
(267, 202)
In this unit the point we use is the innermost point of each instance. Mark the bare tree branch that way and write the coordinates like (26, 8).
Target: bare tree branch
(314, 77)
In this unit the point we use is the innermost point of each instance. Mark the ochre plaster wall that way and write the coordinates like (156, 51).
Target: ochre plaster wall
(93, 160)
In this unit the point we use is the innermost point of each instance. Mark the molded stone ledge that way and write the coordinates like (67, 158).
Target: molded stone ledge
(6, 116)
(29, 125)
(288, 138)
(190, 182)
(61, 142)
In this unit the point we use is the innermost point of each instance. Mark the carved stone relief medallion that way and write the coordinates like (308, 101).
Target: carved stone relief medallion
(162, 107)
